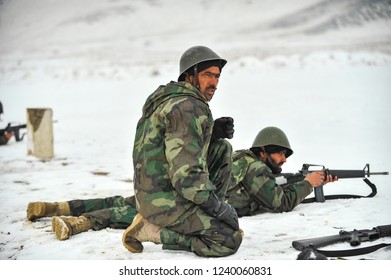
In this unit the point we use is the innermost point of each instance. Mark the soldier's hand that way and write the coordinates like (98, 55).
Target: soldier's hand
(228, 214)
(223, 128)
(329, 178)
(316, 178)
(221, 210)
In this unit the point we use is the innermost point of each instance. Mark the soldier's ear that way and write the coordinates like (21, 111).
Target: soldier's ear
(262, 155)
(189, 78)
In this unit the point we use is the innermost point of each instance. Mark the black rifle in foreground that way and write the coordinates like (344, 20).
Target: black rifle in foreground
(354, 237)
(341, 174)
(14, 130)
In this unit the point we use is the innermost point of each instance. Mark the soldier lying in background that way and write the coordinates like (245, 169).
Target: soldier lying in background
(254, 188)
(10, 130)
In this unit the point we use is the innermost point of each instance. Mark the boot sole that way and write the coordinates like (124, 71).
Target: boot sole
(60, 228)
(130, 243)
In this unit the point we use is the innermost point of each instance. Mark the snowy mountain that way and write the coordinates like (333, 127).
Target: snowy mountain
(320, 70)
(155, 31)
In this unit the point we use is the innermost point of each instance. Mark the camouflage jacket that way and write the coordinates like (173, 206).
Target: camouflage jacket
(254, 188)
(170, 153)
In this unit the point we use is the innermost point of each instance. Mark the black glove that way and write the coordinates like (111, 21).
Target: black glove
(223, 128)
(221, 210)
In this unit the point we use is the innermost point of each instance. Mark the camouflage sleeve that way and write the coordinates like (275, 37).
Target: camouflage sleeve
(188, 133)
(268, 194)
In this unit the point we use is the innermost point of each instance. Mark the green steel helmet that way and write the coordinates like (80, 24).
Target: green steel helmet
(195, 55)
(273, 136)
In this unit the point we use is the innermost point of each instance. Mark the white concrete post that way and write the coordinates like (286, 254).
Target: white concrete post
(40, 132)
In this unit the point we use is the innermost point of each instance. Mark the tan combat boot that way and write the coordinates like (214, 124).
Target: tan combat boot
(37, 210)
(64, 227)
(140, 231)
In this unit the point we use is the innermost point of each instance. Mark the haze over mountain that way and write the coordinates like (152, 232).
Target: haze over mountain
(151, 31)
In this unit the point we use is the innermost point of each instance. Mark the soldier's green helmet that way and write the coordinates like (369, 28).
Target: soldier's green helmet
(196, 55)
(273, 136)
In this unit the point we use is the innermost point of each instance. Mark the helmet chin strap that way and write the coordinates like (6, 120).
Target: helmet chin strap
(196, 83)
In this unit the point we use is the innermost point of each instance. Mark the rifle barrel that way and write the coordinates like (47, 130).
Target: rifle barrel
(378, 173)
(354, 173)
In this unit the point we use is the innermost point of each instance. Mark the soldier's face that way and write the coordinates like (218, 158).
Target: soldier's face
(208, 80)
(279, 158)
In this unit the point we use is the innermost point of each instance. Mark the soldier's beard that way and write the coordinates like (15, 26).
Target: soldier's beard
(274, 166)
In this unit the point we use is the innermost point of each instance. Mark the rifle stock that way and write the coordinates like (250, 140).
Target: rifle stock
(318, 242)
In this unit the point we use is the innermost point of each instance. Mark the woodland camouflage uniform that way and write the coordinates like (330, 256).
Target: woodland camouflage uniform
(114, 212)
(254, 187)
(177, 166)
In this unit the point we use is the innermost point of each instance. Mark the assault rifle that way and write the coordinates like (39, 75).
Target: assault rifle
(354, 237)
(14, 130)
(341, 174)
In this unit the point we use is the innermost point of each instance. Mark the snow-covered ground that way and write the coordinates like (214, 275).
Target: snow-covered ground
(320, 70)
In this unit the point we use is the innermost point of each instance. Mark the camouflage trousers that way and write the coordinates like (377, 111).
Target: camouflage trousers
(114, 212)
(198, 232)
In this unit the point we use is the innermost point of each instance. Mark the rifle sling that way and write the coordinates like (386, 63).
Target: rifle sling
(352, 252)
(344, 196)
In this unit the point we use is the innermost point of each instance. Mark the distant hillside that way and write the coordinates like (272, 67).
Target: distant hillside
(155, 31)
(332, 15)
